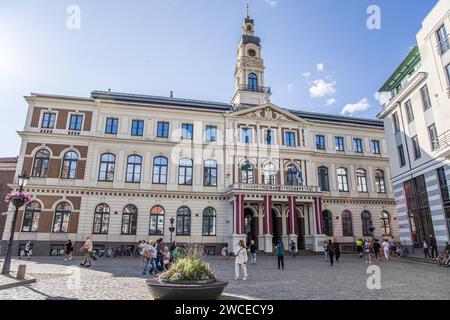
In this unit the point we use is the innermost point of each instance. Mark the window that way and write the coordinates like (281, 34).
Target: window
(210, 173)
(366, 220)
(324, 181)
(211, 133)
(247, 173)
(185, 172)
(357, 145)
(409, 111)
(157, 221)
(187, 131)
(101, 219)
(386, 223)
(433, 137)
(129, 220)
(246, 135)
(269, 137)
(69, 167)
(320, 142)
(401, 155)
(134, 166)
(443, 39)
(347, 225)
(209, 222)
(293, 176)
(252, 82)
(31, 217)
(76, 121)
(48, 120)
(395, 122)
(376, 147)
(425, 97)
(112, 125)
(162, 130)
(379, 181)
(339, 143)
(289, 139)
(270, 174)
(342, 179)
(107, 167)
(183, 222)
(448, 73)
(137, 128)
(327, 219)
(160, 170)
(443, 186)
(361, 180)
(62, 218)
(416, 147)
(41, 162)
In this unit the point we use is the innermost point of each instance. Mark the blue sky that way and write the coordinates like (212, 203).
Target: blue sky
(189, 46)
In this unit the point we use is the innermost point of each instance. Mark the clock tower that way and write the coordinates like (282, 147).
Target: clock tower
(249, 73)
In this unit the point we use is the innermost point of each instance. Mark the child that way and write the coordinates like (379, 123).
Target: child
(166, 258)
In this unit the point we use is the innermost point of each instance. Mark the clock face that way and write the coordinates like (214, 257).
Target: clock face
(251, 52)
(249, 28)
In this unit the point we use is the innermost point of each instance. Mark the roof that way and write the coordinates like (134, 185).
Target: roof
(402, 71)
(325, 117)
(251, 39)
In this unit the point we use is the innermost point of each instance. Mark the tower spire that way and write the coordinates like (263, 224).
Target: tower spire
(248, 11)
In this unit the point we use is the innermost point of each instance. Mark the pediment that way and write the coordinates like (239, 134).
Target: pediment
(268, 112)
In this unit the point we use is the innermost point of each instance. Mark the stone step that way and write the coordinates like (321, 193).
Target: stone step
(418, 259)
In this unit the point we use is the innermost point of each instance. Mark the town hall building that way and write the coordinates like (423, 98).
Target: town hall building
(118, 166)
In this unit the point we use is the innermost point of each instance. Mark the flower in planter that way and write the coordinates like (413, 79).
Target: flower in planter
(17, 197)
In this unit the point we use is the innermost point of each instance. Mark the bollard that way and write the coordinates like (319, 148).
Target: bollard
(21, 272)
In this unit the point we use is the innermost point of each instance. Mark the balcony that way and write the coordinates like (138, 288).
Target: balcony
(444, 46)
(275, 188)
(442, 142)
(251, 88)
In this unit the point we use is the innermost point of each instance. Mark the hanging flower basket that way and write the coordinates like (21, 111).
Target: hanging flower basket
(18, 199)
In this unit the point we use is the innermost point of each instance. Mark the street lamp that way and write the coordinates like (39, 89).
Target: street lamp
(171, 228)
(22, 182)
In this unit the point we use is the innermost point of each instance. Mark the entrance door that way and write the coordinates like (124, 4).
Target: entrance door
(276, 227)
(301, 230)
(250, 226)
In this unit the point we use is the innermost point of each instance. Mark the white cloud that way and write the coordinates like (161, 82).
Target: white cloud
(290, 87)
(306, 74)
(320, 88)
(360, 106)
(382, 97)
(320, 67)
(272, 3)
(330, 101)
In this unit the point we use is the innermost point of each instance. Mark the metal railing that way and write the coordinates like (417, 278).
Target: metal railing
(275, 187)
(441, 142)
(251, 88)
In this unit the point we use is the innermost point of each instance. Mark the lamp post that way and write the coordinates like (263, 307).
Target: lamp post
(22, 182)
(171, 228)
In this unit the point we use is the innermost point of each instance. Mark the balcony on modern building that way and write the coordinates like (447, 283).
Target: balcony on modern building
(441, 145)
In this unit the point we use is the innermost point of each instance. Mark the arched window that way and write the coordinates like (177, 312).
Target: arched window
(160, 170)
(361, 180)
(252, 82)
(347, 225)
(107, 167)
(209, 222)
(41, 162)
(327, 219)
(31, 217)
(69, 166)
(210, 173)
(270, 174)
(379, 181)
(62, 218)
(134, 166)
(366, 219)
(386, 223)
(129, 220)
(324, 181)
(293, 175)
(247, 173)
(342, 179)
(157, 221)
(184, 222)
(185, 172)
(101, 219)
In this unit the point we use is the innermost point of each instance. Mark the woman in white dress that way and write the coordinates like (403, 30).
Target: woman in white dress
(241, 261)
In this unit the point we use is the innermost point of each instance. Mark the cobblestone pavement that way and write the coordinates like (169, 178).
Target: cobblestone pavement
(308, 277)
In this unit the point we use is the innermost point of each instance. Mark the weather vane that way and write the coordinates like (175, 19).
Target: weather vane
(248, 11)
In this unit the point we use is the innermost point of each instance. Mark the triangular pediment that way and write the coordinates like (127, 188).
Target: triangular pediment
(268, 111)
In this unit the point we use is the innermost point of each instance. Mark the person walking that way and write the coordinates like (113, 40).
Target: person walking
(241, 261)
(433, 246)
(337, 250)
(392, 246)
(150, 255)
(68, 250)
(325, 249)
(224, 252)
(386, 247)
(87, 249)
(160, 254)
(359, 248)
(426, 249)
(293, 249)
(28, 250)
(253, 252)
(280, 254)
(166, 258)
(367, 251)
(330, 251)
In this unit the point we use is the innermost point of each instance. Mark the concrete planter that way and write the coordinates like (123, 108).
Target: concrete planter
(186, 290)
